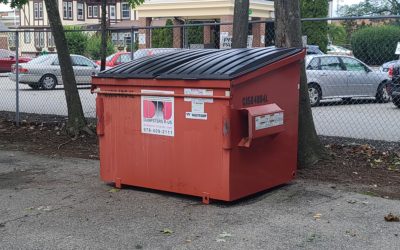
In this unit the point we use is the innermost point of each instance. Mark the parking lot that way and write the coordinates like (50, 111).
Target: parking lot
(361, 119)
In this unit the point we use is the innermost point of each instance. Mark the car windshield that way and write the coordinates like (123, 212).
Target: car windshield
(108, 58)
(41, 59)
(6, 53)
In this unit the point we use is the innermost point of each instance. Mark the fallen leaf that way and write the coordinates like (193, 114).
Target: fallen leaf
(351, 201)
(355, 173)
(317, 216)
(391, 218)
(167, 231)
(378, 161)
(113, 190)
(225, 235)
(350, 233)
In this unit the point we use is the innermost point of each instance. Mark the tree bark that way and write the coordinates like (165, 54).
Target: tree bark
(103, 54)
(288, 34)
(240, 24)
(76, 119)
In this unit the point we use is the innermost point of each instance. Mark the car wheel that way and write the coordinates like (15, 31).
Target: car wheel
(34, 86)
(48, 82)
(396, 101)
(315, 94)
(383, 95)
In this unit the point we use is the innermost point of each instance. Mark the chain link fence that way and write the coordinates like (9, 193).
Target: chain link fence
(349, 68)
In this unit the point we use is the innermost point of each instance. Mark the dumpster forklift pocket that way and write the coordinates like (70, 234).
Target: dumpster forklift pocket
(262, 121)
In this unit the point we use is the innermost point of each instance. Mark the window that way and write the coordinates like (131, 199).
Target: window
(80, 11)
(90, 11)
(95, 11)
(126, 10)
(124, 58)
(112, 11)
(330, 63)
(39, 39)
(6, 53)
(11, 39)
(67, 6)
(27, 37)
(38, 10)
(313, 65)
(353, 65)
(81, 61)
(50, 40)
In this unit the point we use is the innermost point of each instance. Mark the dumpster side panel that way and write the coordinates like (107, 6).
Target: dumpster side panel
(191, 161)
(268, 160)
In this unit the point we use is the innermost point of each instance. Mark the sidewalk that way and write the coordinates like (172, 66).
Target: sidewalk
(52, 203)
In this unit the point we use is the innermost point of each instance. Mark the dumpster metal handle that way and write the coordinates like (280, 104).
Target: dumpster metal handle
(159, 94)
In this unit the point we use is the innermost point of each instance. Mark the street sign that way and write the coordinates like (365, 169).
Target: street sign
(398, 49)
(250, 12)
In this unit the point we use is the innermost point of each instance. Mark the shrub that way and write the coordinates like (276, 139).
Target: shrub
(93, 47)
(162, 37)
(375, 45)
(76, 40)
(316, 32)
(337, 34)
(195, 34)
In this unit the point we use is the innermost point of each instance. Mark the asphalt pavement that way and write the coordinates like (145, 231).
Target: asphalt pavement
(361, 119)
(52, 203)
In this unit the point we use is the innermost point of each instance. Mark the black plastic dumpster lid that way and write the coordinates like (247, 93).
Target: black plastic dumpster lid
(200, 64)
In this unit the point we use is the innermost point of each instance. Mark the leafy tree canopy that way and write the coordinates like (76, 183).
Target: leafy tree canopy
(316, 32)
(371, 8)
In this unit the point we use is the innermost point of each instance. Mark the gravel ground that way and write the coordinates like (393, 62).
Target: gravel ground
(53, 203)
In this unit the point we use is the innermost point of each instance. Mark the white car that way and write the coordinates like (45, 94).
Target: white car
(338, 50)
(330, 76)
(44, 72)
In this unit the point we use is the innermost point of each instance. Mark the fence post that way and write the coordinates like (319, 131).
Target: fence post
(17, 118)
(133, 41)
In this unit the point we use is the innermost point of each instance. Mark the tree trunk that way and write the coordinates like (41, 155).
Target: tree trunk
(103, 54)
(240, 24)
(288, 34)
(76, 119)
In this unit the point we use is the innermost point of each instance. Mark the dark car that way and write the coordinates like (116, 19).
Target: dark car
(7, 58)
(313, 50)
(394, 73)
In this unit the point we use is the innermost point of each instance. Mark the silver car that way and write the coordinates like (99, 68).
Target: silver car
(44, 71)
(344, 77)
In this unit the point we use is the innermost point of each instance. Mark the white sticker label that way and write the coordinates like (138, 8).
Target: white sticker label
(142, 39)
(157, 113)
(196, 116)
(199, 92)
(197, 107)
(267, 121)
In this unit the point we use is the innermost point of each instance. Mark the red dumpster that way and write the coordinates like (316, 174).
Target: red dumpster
(218, 124)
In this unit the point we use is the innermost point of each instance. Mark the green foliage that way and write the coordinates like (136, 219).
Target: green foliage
(93, 47)
(337, 34)
(195, 34)
(76, 40)
(316, 32)
(162, 37)
(371, 8)
(375, 45)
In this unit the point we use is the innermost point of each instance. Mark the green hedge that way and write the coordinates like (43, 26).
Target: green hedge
(195, 34)
(76, 40)
(375, 45)
(162, 37)
(316, 32)
(93, 47)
